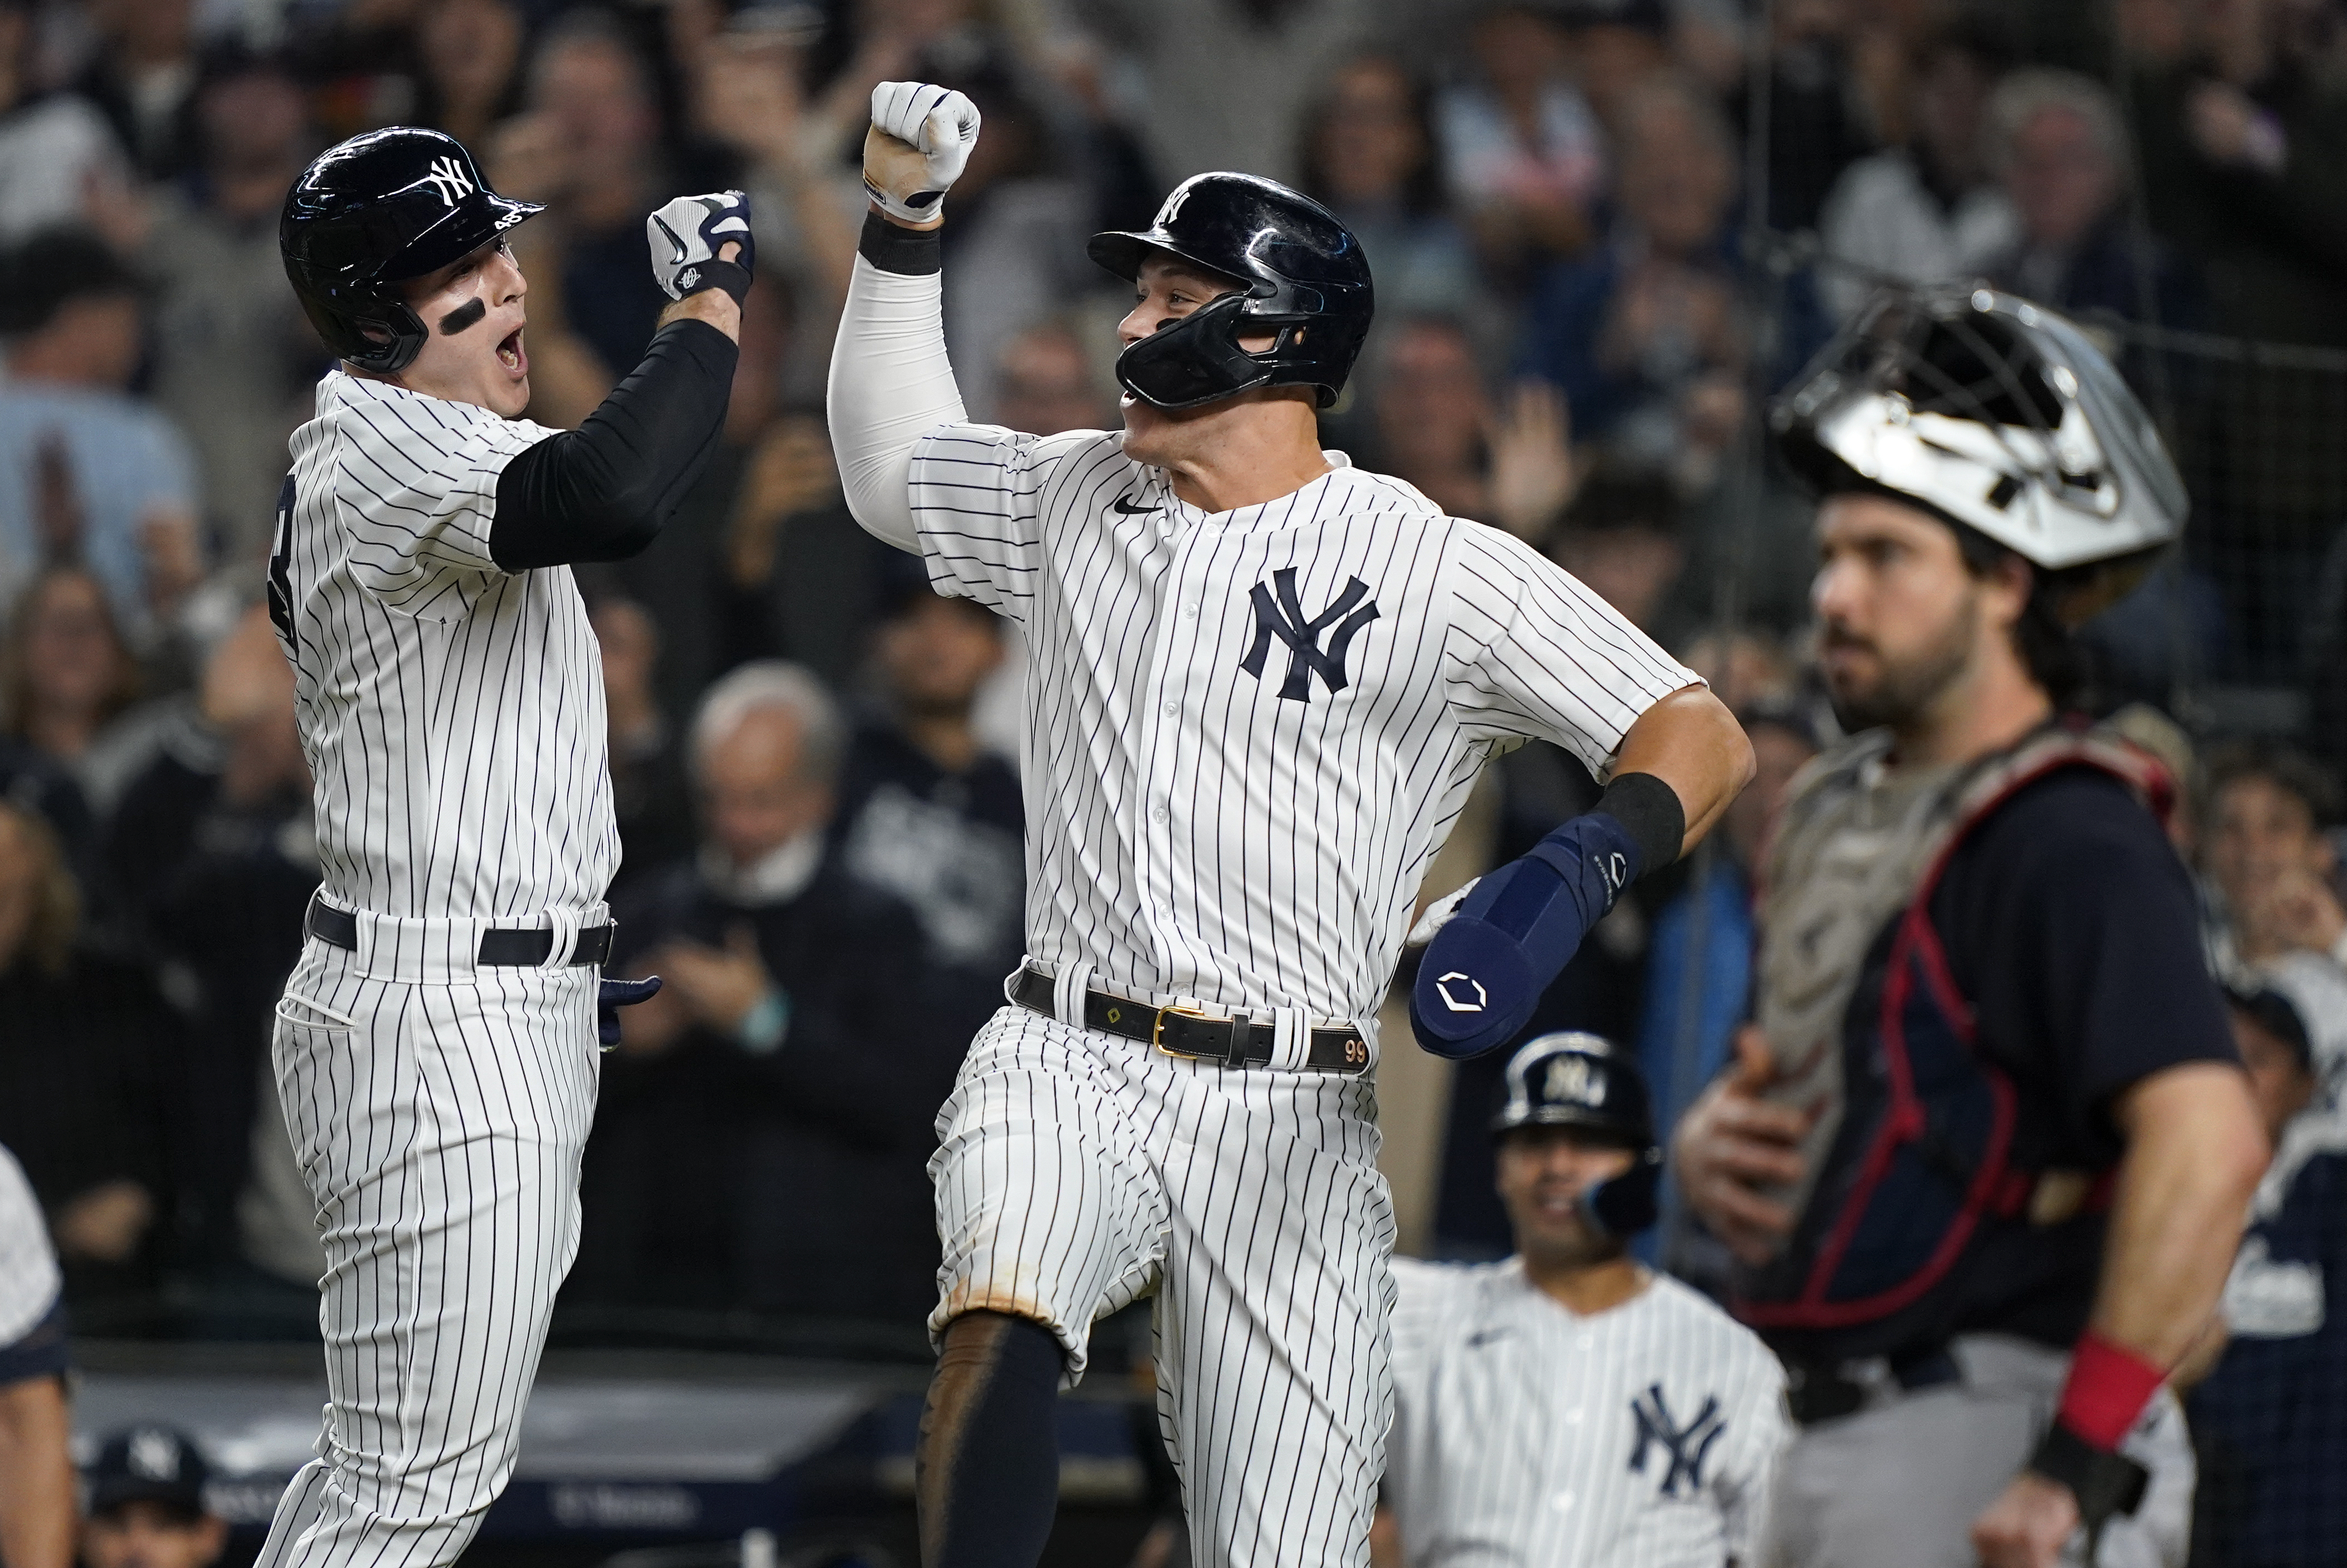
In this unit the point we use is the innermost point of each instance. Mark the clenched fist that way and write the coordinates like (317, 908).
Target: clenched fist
(919, 141)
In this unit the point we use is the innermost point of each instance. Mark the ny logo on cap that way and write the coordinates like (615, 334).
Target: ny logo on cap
(1283, 617)
(448, 178)
(153, 1455)
(1687, 1447)
(1570, 1078)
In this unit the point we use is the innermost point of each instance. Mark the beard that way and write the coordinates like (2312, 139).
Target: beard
(1900, 690)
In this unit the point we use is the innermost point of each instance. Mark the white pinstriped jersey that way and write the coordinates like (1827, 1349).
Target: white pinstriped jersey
(451, 713)
(1526, 1436)
(1248, 733)
(29, 1280)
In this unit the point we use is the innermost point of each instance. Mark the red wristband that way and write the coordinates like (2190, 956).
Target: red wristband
(2108, 1386)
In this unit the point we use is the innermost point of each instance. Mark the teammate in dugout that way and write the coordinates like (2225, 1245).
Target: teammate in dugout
(1263, 683)
(1985, 1157)
(1564, 1407)
(436, 1044)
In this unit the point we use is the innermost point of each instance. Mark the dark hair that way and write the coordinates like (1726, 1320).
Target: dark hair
(1981, 35)
(2286, 768)
(1618, 496)
(53, 269)
(2278, 1016)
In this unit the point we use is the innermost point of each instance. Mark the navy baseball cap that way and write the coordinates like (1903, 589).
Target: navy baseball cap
(149, 1464)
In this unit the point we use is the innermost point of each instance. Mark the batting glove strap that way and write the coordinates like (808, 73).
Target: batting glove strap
(611, 996)
(1485, 970)
(920, 142)
(685, 237)
(2103, 1482)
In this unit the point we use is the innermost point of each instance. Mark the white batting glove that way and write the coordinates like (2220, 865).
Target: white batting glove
(919, 141)
(1437, 913)
(685, 236)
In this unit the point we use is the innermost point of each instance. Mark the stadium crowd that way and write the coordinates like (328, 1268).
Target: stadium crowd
(1601, 230)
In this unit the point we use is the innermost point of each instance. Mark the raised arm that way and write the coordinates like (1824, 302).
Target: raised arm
(891, 380)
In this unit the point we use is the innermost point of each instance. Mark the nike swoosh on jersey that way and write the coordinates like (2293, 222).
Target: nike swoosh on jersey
(1117, 505)
(1483, 1336)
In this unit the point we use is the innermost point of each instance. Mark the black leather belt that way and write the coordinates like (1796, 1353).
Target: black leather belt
(1825, 1393)
(503, 946)
(1197, 1036)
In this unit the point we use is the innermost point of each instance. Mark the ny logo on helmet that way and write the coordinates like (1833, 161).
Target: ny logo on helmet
(1570, 1078)
(448, 178)
(1283, 617)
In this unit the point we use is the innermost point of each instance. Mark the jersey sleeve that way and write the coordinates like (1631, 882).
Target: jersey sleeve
(1761, 1429)
(417, 484)
(981, 498)
(32, 1315)
(1542, 657)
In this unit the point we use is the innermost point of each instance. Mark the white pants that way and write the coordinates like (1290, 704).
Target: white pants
(1902, 1481)
(440, 1128)
(1078, 1172)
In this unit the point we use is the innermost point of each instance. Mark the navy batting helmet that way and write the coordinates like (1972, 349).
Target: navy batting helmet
(1303, 281)
(377, 209)
(1576, 1080)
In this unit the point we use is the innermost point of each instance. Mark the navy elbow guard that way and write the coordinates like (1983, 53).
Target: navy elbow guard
(1485, 970)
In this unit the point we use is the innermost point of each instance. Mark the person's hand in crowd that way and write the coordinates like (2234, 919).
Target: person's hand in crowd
(718, 986)
(171, 545)
(1732, 1146)
(791, 471)
(103, 1225)
(2232, 131)
(2295, 910)
(2027, 1525)
(1533, 474)
(2202, 1358)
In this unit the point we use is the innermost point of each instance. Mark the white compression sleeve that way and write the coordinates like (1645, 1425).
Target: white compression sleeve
(891, 384)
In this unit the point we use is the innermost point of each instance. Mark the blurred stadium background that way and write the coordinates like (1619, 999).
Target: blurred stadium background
(1604, 231)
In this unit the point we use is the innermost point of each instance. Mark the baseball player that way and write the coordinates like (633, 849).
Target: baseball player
(1262, 686)
(1984, 1159)
(1565, 1406)
(36, 1498)
(434, 1049)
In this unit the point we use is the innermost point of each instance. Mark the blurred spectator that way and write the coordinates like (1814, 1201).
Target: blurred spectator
(1927, 211)
(1646, 336)
(147, 1507)
(55, 150)
(2270, 1430)
(1435, 427)
(1621, 539)
(1045, 383)
(82, 1064)
(36, 1505)
(1225, 85)
(88, 475)
(1370, 157)
(1616, 46)
(1522, 153)
(66, 676)
(143, 79)
(470, 52)
(762, 1133)
(235, 361)
(593, 96)
(2056, 140)
(1818, 123)
(2243, 142)
(647, 789)
(2264, 851)
(925, 813)
(213, 858)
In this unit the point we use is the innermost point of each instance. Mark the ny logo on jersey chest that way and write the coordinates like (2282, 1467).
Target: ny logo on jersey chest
(1686, 1447)
(1277, 614)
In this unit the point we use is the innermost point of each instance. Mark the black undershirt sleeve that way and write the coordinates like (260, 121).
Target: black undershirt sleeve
(603, 491)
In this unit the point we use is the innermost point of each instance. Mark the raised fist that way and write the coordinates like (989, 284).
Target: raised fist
(919, 141)
(685, 237)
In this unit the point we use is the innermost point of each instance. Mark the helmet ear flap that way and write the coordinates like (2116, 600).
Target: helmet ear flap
(1628, 1202)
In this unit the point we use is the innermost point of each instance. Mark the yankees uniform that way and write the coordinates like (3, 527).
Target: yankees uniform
(1246, 733)
(32, 1304)
(436, 1045)
(1642, 1437)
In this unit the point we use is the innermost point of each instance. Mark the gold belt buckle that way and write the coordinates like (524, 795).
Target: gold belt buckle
(1157, 1031)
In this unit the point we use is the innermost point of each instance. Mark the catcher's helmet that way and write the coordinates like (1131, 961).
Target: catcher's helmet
(380, 207)
(1992, 413)
(1302, 277)
(1576, 1080)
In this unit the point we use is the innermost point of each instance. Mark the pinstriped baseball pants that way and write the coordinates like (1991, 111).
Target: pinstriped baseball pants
(1077, 1173)
(439, 1127)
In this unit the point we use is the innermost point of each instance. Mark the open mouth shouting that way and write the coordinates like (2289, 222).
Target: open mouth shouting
(512, 355)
